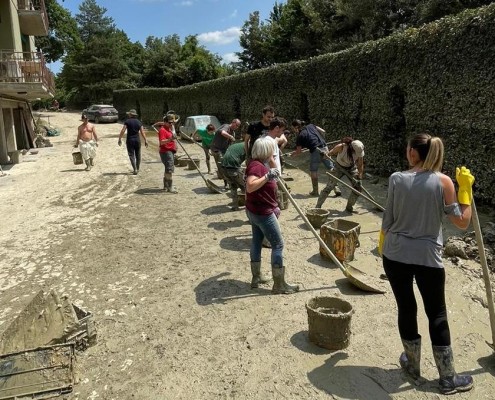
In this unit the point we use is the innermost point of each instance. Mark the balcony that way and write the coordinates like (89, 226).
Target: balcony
(25, 75)
(33, 18)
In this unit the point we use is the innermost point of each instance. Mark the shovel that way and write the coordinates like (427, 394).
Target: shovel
(381, 208)
(304, 150)
(356, 277)
(484, 266)
(213, 188)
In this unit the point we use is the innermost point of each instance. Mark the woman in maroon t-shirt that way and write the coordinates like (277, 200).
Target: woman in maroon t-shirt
(262, 211)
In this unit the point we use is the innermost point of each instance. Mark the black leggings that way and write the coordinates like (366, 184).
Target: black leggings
(431, 285)
(134, 152)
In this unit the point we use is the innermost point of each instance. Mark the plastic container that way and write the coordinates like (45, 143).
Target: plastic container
(342, 238)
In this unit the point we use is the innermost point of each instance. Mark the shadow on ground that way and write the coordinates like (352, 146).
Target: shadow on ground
(220, 289)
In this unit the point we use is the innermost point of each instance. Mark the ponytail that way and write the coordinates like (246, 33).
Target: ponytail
(430, 151)
(347, 141)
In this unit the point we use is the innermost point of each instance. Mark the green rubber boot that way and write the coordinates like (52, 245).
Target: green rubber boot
(257, 277)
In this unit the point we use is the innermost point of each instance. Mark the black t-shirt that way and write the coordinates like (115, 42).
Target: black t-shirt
(254, 131)
(133, 126)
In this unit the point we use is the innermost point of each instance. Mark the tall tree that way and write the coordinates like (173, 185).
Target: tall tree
(63, 35)
(254, 41)
(92, 73)
(91, 20)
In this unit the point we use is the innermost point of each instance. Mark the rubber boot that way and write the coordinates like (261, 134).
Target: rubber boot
(88, 165)
(315, 192)
(257, 276)
(449, 381)
(235, 199)
(208, 166)
(171, 187)
(165, 184)
(279, 284)
(410, 359)
(91, 162)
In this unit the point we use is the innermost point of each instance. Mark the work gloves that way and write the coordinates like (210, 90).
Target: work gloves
(465, 181)
(273, 174)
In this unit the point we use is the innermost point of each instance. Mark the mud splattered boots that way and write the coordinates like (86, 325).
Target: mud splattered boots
(88, 165)
(257, 277)
(410, 359)
(449, 381)
(279, 284)
(315, 192)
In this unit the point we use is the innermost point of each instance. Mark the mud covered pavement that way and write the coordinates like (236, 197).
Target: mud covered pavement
(167, 279)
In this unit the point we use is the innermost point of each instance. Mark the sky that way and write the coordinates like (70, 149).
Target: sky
(216, 22)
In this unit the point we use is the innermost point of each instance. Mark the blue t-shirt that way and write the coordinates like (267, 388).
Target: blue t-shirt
(310, 138)
(133, 126)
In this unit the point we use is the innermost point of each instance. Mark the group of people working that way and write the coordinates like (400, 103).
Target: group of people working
(410, 240)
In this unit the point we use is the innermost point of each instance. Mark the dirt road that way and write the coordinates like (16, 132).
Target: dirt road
(167, 279)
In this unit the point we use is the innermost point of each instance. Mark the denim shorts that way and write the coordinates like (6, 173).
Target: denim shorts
(316, 158)
(168, 161)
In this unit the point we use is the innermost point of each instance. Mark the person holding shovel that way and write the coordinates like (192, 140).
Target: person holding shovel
(206, 135)
(87, 141)
(310, 136)
(262, 211)
(349, 162)
(224, 136)
(232, 172)
(167, 150)
(411, 244)
(134, 128)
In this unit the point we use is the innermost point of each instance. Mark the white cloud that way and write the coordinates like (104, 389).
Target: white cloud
(220, 37)
(234, 14)
(230, 58)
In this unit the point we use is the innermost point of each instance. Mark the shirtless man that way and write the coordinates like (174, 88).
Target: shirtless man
(87, 141)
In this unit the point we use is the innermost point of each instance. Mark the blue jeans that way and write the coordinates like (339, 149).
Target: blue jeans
(266, 226)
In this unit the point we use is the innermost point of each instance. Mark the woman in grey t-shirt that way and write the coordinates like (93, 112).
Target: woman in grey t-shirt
(417, 201)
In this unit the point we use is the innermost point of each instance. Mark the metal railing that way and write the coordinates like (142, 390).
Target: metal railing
(37, 5)
(25, 67)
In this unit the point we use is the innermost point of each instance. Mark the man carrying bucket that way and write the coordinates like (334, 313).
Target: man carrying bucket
(87, 141)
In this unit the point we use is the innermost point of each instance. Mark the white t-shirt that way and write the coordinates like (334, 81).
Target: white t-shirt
(276, 154)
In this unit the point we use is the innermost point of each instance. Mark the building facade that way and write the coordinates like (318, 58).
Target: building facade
(24, 76)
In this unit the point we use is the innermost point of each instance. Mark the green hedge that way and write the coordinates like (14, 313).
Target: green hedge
(439, 78)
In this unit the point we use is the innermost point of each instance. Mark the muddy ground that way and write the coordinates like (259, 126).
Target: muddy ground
(167, 280)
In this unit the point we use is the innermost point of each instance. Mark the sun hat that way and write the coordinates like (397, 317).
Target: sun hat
(172, 118)
(132, 112)
(358, 147)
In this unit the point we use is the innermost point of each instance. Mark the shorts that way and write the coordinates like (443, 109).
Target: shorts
(316, 158)
(168, 161)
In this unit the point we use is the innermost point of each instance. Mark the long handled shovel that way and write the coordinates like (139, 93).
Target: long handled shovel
(356, 277)
(380, 207)
(484, 266)
(213, 188)
(304, 150)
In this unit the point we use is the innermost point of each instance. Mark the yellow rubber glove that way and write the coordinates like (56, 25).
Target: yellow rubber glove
(381, 239)
(465, 181)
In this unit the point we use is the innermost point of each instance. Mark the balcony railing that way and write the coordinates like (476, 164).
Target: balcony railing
(33, 17)
(25, 68)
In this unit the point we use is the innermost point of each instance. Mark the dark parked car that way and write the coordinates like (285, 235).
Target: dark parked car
(101, 113)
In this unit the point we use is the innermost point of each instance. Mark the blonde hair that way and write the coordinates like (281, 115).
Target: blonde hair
(430, 150)
(263, 148)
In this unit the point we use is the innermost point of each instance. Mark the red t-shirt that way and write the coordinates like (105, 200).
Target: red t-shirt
(264, 200)
(164, 134)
